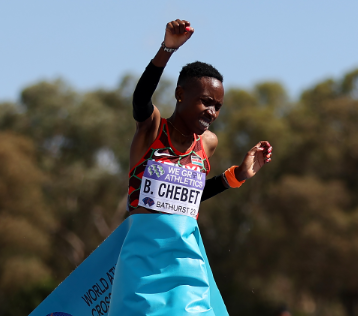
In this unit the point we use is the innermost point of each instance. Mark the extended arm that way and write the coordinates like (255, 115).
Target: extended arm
(254, 160)
(176, 34)
(213, 187)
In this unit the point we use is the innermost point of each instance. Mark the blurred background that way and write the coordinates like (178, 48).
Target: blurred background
(285, 242)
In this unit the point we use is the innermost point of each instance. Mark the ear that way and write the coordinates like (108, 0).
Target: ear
(179, 93)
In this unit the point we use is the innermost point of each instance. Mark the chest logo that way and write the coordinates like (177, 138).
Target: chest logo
(196, 160)
(161, 154)
(157, 170)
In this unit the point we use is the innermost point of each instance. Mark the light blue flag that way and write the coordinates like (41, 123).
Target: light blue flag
(87, 291)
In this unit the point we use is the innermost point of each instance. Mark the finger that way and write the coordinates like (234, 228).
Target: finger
(258, 147)
(265, 143)
(176, 27)
(187, 27)
(187, 23)
(255, 149)
(267, 147)
(170, 27)
(267, 151)
(181, 26)
(267, 160)
(189, 30)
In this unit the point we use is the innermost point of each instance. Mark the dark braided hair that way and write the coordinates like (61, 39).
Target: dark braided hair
(198, 69)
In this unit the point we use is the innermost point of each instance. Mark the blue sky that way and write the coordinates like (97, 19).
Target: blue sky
(92, 44)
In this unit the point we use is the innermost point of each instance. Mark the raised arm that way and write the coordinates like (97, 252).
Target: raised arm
(146, 114)
(176, 34)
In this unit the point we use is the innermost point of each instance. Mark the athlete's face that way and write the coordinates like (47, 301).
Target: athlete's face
(201, 101)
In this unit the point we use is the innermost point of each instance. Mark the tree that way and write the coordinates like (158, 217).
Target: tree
(286, 236)
(26, 223)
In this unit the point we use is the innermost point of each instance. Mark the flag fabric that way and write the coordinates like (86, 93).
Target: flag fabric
(152, 264)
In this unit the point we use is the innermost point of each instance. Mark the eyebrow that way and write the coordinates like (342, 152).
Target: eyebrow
(208, 97)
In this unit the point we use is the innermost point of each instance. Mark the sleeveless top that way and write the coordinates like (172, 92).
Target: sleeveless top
(163, 151)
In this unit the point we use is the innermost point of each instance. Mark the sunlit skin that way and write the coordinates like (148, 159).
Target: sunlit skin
(198, 105)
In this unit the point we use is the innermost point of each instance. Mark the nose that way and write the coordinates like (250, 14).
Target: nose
(211, 110)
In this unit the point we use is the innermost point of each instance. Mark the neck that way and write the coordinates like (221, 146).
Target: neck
(177, 133)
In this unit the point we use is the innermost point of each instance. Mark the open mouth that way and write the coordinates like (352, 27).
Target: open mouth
(204, 123)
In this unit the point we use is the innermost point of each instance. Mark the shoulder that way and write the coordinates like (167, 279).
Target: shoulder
(210, 142)
(146, 133)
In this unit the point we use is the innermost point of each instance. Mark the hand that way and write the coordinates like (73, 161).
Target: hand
(177, 33)
(254, 160)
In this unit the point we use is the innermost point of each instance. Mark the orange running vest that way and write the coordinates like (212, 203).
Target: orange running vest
(163, 151)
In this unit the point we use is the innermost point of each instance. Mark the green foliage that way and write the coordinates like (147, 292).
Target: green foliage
(289, 233)
(26, 224)
(28, 297)
(350, 83)
(286, 236)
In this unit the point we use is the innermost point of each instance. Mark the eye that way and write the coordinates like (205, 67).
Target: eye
(206, 102)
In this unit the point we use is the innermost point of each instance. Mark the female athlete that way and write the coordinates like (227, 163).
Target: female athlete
(162, 268)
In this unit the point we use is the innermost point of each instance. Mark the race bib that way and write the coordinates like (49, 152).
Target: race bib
(171, 189)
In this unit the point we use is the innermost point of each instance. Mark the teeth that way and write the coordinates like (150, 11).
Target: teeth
(202, 122)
